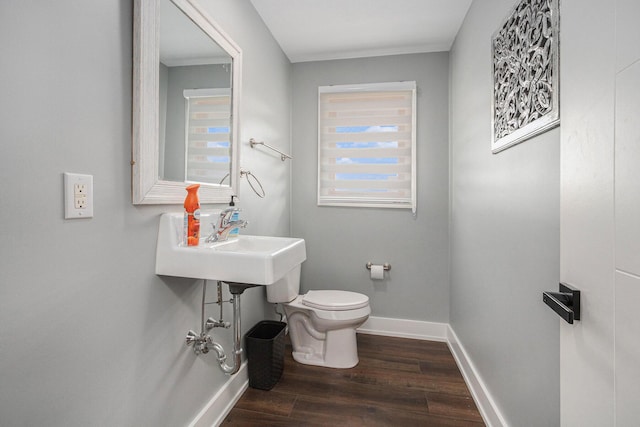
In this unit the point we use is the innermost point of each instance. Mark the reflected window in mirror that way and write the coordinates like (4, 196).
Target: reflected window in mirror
(208, 135)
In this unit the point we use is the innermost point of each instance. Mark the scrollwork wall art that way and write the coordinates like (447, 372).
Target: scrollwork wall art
(525, 73)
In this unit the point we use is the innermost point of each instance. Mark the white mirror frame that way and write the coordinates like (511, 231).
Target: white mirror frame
(147, 187)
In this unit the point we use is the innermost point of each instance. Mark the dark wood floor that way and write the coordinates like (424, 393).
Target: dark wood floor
(398, 382)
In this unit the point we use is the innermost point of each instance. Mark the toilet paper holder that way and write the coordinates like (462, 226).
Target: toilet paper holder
(386, 266)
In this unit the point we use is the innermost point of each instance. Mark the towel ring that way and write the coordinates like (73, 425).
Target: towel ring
(257, 181)
(248, 174)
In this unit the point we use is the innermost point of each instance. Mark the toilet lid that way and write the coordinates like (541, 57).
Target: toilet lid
(335, 300)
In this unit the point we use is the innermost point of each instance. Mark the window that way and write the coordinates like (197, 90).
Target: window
(366, 145)
(208, 135)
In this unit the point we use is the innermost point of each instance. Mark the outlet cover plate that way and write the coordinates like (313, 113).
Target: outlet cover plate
(78, 196)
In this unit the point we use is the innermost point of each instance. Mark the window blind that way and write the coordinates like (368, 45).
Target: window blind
(366, 145)
(208, 135)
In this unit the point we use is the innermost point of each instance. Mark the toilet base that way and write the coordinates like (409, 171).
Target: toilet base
(340, 350)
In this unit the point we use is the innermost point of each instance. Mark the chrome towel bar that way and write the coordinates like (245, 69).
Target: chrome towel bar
(283, 156)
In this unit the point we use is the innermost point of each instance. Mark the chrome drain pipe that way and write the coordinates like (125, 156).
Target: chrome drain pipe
(237, 343)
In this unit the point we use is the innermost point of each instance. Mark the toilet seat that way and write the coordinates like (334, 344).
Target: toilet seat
(331, 300)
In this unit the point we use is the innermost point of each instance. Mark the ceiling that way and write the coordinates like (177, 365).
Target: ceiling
(315, 30)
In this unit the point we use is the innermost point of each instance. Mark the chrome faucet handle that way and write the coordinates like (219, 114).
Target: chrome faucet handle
(223, 232)
(213, 323)
(192, 338)
(225, 215)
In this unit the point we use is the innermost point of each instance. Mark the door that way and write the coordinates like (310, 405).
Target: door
(600, 211)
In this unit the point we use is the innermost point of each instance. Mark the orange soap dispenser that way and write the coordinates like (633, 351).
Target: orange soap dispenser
(192, 216)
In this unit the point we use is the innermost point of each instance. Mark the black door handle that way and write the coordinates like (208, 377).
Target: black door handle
(566, 302)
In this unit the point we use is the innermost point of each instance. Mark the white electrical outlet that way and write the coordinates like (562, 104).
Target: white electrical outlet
(78, 195)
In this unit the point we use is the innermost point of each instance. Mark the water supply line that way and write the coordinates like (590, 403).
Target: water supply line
(220, 323)
(275, 308)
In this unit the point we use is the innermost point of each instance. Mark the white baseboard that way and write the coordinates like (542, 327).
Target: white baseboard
(215, 411)
(222, 402)
(404, 328)
(484, 401)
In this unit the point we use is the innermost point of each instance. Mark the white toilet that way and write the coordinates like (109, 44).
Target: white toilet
(322, 324)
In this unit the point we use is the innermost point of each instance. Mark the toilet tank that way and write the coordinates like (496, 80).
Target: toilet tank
(285, 289)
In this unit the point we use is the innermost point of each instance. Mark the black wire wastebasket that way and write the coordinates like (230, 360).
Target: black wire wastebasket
(265, 344)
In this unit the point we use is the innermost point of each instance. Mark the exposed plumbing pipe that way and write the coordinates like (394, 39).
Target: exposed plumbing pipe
(275, 308)
(203, 343)
(220, 299)
(237, 343)
(204, 295)
(220, 323)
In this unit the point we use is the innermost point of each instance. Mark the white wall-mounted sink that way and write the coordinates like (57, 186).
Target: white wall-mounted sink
(259, 260)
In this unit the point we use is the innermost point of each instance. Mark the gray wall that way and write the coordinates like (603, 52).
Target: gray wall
(89, 335)
(504, 237)
(340, 241)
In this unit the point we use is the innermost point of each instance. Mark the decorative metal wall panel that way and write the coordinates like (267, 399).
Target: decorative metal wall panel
(525, 73)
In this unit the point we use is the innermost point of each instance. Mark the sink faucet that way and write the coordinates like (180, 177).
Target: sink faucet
(221, 231)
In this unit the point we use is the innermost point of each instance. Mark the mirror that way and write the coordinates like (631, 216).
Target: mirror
(185, 106)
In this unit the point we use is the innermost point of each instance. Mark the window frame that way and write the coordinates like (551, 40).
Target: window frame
(370, 202)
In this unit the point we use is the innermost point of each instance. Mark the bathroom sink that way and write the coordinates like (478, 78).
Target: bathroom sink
(258, 260)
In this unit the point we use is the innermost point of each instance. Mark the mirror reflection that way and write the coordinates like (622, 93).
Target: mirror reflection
(195, 108)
